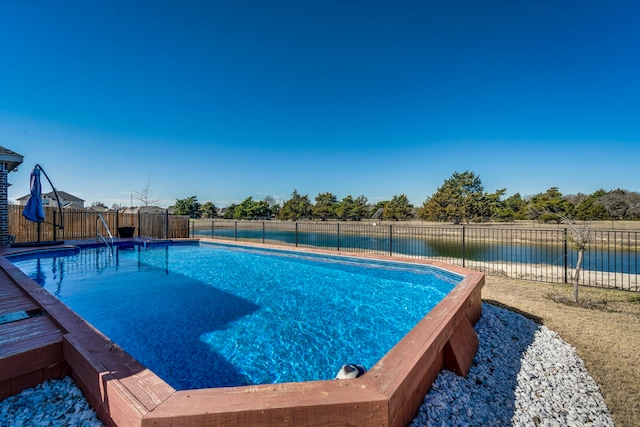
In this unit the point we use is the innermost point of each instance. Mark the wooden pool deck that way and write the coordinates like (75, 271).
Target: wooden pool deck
(30, 341)
(48, 340)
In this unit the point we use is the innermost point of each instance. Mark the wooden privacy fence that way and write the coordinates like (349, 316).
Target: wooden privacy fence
(82, 224)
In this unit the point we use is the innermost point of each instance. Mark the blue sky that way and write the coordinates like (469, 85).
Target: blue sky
(230, 99)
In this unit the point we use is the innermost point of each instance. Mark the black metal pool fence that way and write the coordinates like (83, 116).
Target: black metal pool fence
(545, 255)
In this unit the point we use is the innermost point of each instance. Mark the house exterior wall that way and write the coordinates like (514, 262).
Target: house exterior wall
(4, 205)
(51, 201)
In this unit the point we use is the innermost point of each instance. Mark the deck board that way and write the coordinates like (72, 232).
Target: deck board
(26, 337)
(12, 298)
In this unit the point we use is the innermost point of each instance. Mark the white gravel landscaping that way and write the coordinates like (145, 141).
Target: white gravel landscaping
(522, 375)
(52, 403)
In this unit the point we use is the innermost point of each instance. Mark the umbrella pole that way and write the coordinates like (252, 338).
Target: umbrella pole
(61, 226)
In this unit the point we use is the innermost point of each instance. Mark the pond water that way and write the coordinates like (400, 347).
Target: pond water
(551, 253)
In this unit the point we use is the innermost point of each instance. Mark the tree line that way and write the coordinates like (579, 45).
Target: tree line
(460, 199)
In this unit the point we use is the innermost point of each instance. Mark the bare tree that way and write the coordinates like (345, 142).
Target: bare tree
(146, 196)
(580, 237)
(621, 204)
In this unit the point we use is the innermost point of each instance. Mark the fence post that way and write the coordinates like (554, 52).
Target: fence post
(464, 249)
(338, 237)
(263, 232)
(390, 240)
(166, 223)
(213, 229)
(138, 223)
(55, 231)
(564, 256)
(117, 225)
(235, 230)
(296, 234)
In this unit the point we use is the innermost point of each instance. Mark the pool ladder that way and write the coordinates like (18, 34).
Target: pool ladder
(98, 235)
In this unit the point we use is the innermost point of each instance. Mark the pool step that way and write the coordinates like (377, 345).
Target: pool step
(30, 342)
(30, 353)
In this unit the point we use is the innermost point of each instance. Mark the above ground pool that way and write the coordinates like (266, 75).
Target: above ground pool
(210, 315)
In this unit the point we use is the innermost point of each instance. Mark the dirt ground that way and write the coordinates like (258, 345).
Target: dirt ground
(604, 328)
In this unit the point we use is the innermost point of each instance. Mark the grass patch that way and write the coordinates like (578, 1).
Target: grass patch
(582, 302)
(612, 301)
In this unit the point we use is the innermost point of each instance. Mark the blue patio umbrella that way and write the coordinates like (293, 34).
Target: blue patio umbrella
(34, 211)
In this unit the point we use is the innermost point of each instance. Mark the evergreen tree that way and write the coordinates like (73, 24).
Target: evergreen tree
(188, 206)
(251, 209)
(398, 208)
(345, 208)
(515, 206)
(460, 198)
(360, 209)
(550, 206)
(208, 210)
(260, 209)
(325, 207)
(493, 207)
(230, 211)
(590, 209)
(296, 207)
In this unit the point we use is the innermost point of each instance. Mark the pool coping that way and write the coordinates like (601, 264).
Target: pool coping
(123, 392)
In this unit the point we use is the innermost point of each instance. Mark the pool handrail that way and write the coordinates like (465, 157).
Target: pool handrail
(99, 217)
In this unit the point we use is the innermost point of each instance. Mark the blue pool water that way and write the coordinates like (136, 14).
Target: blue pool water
(209, 315)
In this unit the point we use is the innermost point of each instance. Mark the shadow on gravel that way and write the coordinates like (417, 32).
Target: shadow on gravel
(487, 395)
(537, 319)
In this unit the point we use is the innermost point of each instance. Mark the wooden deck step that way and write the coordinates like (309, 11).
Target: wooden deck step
(30, 353)
(30, 347)
(27, 334)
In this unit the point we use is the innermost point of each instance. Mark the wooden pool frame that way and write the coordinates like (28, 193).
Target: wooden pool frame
(125, 393)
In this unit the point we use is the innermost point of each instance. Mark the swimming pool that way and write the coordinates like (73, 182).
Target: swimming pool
(212, 315)
(124, 392)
